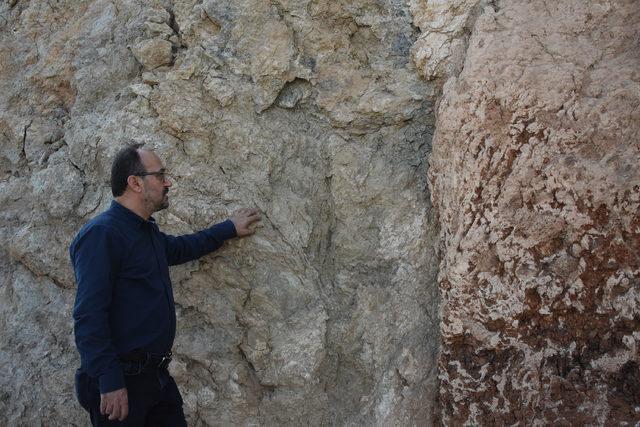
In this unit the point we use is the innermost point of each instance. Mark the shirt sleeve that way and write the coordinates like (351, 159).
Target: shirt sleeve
(95, 258)
(180, 249)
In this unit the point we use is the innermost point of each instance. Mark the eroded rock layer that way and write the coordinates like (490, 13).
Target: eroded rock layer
(312, 111)
(537, 189)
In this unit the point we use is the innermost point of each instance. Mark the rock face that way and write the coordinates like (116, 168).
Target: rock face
(536, 186)
(311, 111)
(339, 311)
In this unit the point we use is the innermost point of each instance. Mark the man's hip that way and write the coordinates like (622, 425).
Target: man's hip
(153, 397)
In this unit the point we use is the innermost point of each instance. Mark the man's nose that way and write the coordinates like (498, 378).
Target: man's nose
(167, 182)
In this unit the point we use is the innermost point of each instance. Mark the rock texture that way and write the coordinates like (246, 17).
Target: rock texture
(312, 111)
(536, 186)
(321, 114)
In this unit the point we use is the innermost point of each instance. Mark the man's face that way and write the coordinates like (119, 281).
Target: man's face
(155, 187)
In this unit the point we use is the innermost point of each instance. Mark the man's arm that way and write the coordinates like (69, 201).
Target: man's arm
(95, 257)
(180, 249)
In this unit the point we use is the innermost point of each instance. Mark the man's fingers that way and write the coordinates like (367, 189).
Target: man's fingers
(120, 409)
(124, 406)
(245, 231)
(125, 411)
(115, 404)
(249, 225)
(243, 218)
(115, 413)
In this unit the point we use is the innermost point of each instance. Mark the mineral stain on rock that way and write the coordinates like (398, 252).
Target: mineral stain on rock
(540, 321)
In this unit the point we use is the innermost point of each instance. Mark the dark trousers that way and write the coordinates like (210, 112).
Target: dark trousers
(154, 399)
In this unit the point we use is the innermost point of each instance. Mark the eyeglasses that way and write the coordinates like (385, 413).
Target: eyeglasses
(161, 174)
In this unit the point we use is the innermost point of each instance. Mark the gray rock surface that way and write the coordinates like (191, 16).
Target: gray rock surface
(313, 112)
(153, 53)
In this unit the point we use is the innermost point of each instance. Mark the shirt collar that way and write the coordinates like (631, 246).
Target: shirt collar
(129, 215)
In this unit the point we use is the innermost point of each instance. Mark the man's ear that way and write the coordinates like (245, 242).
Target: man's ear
(134, 183)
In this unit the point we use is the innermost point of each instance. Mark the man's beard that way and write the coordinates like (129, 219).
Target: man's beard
(158, 206)
(164, 204)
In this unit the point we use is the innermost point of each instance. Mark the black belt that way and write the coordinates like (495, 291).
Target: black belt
(148, 360)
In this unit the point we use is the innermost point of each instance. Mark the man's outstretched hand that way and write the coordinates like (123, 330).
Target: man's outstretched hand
(243, 219)
(115, 404)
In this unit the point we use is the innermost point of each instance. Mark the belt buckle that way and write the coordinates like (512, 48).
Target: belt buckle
(164, 362)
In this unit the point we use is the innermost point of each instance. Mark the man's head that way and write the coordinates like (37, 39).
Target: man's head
(138, 174)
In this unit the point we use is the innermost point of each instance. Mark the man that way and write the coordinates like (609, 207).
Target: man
(124, 311)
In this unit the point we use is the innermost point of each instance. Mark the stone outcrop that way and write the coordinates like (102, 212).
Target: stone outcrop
(489, 280)
(535, 183)
(439, 51)
(311, 111)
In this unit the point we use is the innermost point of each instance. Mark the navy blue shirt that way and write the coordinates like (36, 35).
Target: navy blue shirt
(124, 299)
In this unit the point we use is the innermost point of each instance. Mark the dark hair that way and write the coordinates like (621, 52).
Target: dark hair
(126, 163)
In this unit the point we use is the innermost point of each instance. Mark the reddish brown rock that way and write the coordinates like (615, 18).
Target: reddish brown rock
(535, 180)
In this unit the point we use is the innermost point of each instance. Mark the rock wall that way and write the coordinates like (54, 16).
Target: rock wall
(321, 114)
(535, 181)
(315, 113)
